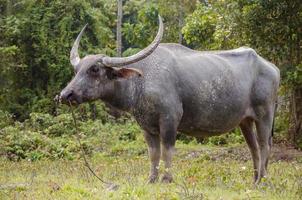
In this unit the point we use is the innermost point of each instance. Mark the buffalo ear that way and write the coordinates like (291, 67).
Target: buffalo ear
(125, 72)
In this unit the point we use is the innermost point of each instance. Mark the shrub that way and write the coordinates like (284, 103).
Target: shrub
(53, 137)
(40, 121)
(62, 125)
(233, 137)
(19, 144)
(5, 119)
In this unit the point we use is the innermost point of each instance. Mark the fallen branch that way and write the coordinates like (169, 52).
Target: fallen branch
(110, 186)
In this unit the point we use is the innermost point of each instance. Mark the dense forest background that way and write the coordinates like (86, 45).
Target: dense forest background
(36, 38)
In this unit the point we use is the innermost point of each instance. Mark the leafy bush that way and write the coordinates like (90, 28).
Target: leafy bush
(63, 125)
(53, 137)
(35, 41)
(233, 137)
(40, 121)
(20, 144)
(43, 105)
(5, 119)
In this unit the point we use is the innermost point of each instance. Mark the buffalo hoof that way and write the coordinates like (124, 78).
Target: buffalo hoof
(263, 174)
(152, 179)
(260, 178)
(256, 179)
(167, 179)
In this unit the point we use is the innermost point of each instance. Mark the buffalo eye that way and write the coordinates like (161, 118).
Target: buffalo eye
(94, 69)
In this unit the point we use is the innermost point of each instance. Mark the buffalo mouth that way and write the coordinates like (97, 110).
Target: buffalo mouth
(74, 102)
(70, 99)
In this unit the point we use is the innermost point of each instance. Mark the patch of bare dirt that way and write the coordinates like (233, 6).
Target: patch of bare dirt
(279, 152)
(285, 152)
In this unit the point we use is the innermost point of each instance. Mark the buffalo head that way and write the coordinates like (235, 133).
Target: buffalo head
(95, 74)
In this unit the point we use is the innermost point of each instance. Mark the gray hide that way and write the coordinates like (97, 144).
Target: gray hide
(179, 89)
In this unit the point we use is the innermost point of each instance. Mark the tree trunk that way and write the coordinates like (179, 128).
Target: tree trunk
(296, 118)
(8, 7)
(113, 111)
(119, 27)
(180, 21)
(296, 99)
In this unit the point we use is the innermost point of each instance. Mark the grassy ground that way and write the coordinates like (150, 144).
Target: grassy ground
(200, 172)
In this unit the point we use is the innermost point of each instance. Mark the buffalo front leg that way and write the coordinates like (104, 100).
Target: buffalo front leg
(153, 142)
(168, 138)
(251, 139)
(167, 153)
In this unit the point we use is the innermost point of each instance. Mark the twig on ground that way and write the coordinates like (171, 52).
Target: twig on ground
(110, 186)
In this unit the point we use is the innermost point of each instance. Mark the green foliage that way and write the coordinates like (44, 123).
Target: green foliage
(36, 43)
(174, 13)
(5, 119)
(47, 136)
(19, 144)
(142, 31)
(217, 25)
(200, 27)
(131, 51)
(141, 17)
(294, 76)
(231, 138)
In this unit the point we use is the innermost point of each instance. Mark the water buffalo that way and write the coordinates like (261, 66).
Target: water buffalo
(170, 88)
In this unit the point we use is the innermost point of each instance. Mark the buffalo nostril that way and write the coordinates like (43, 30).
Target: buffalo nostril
(69, 95)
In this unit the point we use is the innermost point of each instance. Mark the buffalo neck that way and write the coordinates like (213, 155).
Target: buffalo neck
(123, 94)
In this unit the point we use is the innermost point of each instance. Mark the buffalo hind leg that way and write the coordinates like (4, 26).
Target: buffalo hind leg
(250, 137)
(153, 142)
(264, 128)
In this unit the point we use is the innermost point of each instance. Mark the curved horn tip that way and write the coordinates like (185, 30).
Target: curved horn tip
(74, 55)
(85, 26)
(161, 25)
(160, 18)
(81, 33)
(118, 61)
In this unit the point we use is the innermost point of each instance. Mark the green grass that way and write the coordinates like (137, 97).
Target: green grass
(200, 172)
